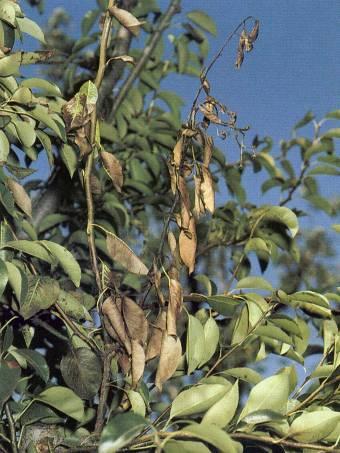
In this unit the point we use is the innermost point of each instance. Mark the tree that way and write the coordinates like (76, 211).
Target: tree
(113, 332)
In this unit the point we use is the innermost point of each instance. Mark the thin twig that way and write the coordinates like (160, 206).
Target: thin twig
(11, 428)
(296, 185)
(241, 343)
(104, 391)
(211, 64)
(174, 8)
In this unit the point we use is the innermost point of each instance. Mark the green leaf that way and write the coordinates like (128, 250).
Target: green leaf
(273, 332)
(64, 400)
(81, 371)
(204, 21)
(195, 346)
(314, 426)
(43, 292)
(197, 399)
(262, 416)
(73, 306)
(283, 215)
(65, 259)
(246, 374)
(211, 339)
(119, 431)
(70, 158)
(3, 277)
(225, 305)
(32, 248)
(37, 362)
(51, 221)
(324, 170)
(10, 65)
(270, 394)
(18, 280)
(214, 436)
(309, 297)
(336, 228)
(254, 283)
(332, 133)
(31, 28)
(44, 86)
(335, 114)
(222, 412)
(89, 20)
(305, 120)
(9, 378)
(257, 245)
(7, 13)
(184, 446)
(4, 146)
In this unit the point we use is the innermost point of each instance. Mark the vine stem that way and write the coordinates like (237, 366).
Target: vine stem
(104, 42)
(11, 429)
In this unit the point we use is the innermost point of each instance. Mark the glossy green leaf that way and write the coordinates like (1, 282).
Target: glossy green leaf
(27, 25)
(243, 373)
(17, 280)
(197, 399)
(44, 86)
(65, 259)
(119, 431)
(137, 402)
(64, 400)
(70, 158)
(195, 344)
(314, 426)
(33, 248)
(214, 436)
(211, 339)
(332, 133)
(225, 305)
(254, 283)
(283, 215)
(270, 394)
(223, 411)
(4, 146)
(184, 446)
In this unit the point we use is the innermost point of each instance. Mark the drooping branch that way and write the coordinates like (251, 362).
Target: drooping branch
(173, 9)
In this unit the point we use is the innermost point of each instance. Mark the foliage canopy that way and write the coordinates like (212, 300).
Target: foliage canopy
(132, 313)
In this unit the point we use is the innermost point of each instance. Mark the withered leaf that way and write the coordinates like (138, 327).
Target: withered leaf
(173, 178)
(155, 341)
(209, 114)
(175, 305)
(199, 206)
(77, 111)
(188, 244)
(20, 196)
(157, 282)
(125, 58)
(121, 252)
(135, 320)
(172, 243)
(82, 139)
(208, 150)
(113, 169)
(255, 32)
(138, 362)
(178, 152)
(171, 352)
(126, 19)
(96, 187)
(205, 84)
(111, 308)
(185, 202)
(207, 190)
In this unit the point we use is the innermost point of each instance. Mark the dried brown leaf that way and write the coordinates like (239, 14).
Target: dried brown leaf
(206, 85)
(255, 32)
(137, 362)
(209, 114)
(20, 196)
(155, 341)
(199, 206)
(121, 252)
(96, 187)
(175, 305)
(173, 178)
(111, 308)
(172, 242)
(126, 19)
(135, 320)
(185, 202)
(188, 245)
(178, 153)
(171, 352)
(207, 190)
(113, 169)
(208, 150)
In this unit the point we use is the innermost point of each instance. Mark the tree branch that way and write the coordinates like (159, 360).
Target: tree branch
(11, 428)
(173, 9)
